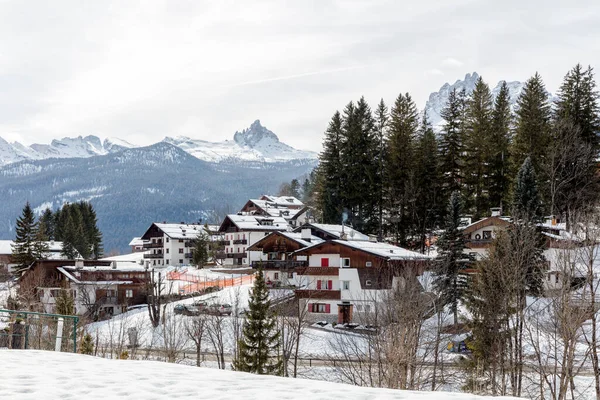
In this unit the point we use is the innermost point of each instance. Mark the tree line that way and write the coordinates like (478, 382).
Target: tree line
(388, 172)
(75, 225)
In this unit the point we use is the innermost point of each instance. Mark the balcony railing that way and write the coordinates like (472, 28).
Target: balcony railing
(279, 264)
(188, 255)
(235, 255)
(319, 294)
(153, 255)
(478, 243)
(319, 271)
(154, 245)
(240, 241)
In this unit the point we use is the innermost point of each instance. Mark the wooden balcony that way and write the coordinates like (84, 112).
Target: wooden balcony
(318, 271)
(279, 264)
(478, 244)
(240, 241)
(319, 294)
(153, 245)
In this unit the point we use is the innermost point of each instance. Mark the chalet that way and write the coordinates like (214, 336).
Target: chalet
(242, 231)
(6, 247)
(170, 244)
(289, 208)
(347, 277)
(98, 288)
(273, 253)
(480, 235)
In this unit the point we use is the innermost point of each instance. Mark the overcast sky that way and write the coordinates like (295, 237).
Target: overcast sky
(144, 70)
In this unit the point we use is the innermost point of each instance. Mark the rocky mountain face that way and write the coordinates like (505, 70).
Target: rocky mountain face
(438, 100)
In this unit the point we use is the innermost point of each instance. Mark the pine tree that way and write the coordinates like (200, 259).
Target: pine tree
(329, 172)
(47, 223)
(578, 103)
(87, 345)
(526, 202)
(452, 146)
(381, 126)
(532, 129)
(428, 182)
(499, 156)
(68, 234)
(450, 279)
(26, 249)
(478, 126)
(200, 252)
(65, 304)
(400, 165)
(260, 337)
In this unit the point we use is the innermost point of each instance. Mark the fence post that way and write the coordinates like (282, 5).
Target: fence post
(59, 332)
(75, 323)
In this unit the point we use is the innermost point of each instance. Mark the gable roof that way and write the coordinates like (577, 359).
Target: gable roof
(293, 236)
(380, 249)
(177, 231)
(253, 223)
(335, 231)
(482, 223)
(289, 201)
(274, 209)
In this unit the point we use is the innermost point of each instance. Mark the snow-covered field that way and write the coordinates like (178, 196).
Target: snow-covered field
(49, 375)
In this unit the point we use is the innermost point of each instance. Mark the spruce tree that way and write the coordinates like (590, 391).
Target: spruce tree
(450, 278)
(47, 223)
(532, 126)
(428, 182)
(499, 156)
(478, 126)
(578, 103)
(329, 172)
(452, 146)
(526, 202)
(26, 249)
(87, 345)
(381, 126)
(200, 253)
(260, 337)
(68, 237)
(400, 165)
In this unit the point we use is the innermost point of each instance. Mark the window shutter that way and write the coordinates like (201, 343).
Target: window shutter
(324, 262)
(318, 285)
(329, 285)
(327, 308)
(310, 307)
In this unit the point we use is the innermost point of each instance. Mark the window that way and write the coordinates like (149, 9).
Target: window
(345, 263)
(319, 308)
(358, 307)
(124, 276)
(180, 240)
(168, 261)
(323, 284)
(276, 276)
(167, 250)
(368, 282)
(368, 264)
(487, 235)
(324, 262)
(129, 293)
(180, 251)
(367, 308)
(167, 239)
(111, 293)
(180, 261)
(345, 285)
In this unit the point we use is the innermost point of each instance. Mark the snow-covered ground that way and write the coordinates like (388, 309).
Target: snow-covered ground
(50, 375)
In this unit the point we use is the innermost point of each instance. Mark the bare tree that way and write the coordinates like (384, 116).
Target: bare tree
(155, 284)
(215, 328)
(196, 329)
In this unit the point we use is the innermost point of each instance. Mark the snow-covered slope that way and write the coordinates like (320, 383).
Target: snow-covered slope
(438, 100)
(50, 375)
(255, 143)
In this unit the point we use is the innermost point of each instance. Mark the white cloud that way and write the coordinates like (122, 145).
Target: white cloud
(452, 63)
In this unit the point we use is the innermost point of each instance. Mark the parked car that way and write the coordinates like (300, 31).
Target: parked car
(201, 305)
(220, 309)
(137, 307)
(186, 309)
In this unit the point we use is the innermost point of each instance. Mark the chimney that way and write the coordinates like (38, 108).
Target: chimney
(79, 263)
(306, 234)
(496, 211)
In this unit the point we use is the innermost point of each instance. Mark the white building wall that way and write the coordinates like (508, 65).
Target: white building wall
(315, 260)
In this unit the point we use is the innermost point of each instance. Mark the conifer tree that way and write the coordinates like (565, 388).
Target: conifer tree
(526, 202)
(329, 172)
(499, 156)
(27, 247)
(452, 146)
(381, 125)
(478, 126)
(68, 233)
(65, 305)
(400, 165)
(578, 103)
(260, 337)
(450, 280)
(200, 252)
(532, 126)
(47, 223)
(428, 182)
(87, 345)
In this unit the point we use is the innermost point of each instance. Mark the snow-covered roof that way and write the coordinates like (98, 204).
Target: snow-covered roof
(127, 258)
(72, 278)
(336, 231)
(257, 223)
(136, 241)
(297, 236)
(283, 200)
(277, 210)
(180, 231)
(54, 248)
(384, 250)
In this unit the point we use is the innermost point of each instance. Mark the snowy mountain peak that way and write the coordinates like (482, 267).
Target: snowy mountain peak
(252, 136)
(438, 100)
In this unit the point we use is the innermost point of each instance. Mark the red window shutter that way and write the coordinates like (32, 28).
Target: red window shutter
(324, 262)
(327, 308)
(310, 307)
(329, 285)
(318, 285)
